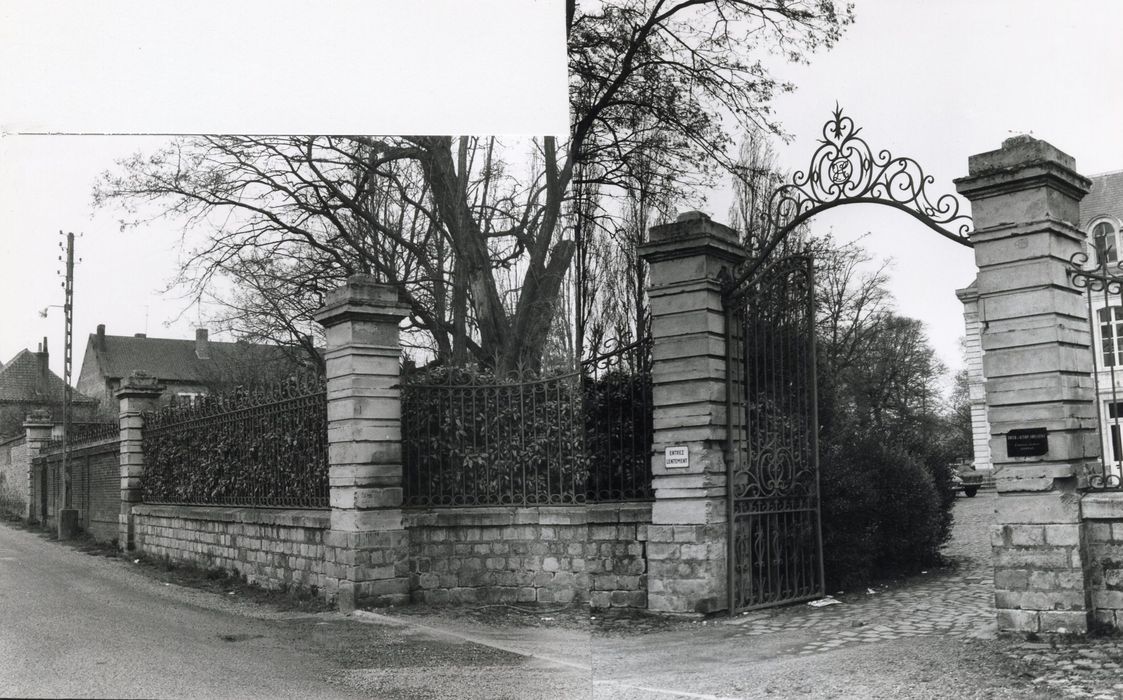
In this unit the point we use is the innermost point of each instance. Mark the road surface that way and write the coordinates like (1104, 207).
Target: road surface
(76, 625)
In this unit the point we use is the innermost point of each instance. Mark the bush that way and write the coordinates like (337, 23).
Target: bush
(618, 429)
(882, 513)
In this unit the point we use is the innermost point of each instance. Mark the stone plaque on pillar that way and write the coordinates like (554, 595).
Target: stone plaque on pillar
(1027, 442)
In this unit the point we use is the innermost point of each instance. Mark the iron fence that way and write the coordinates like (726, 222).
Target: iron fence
(265, 449)
(471, 439)
(86, 433)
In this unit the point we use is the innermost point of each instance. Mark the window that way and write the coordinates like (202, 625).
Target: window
(186, 398)
(1111, 334)
(1104, 238)
(1113, 413)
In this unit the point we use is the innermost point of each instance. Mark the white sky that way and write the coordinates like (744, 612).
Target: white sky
(936, 81)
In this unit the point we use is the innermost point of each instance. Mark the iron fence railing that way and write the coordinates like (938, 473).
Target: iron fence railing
(265, 449)
(471, 439)
(84, 434)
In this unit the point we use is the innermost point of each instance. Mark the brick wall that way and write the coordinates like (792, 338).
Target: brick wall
(1103, 536)
(547, 555)
(95, 471)
(102, 500)
(272, 548)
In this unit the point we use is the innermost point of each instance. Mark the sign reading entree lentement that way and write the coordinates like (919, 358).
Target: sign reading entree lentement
(1027, 442)
(677, 457)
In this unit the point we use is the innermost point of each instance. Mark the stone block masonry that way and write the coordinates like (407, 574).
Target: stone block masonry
(1036, 357)
(1103, 536)
(276, 549)
(687, 541)
(593, 554)
(368, 542)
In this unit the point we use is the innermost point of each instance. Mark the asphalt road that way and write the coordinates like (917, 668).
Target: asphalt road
(76, 625)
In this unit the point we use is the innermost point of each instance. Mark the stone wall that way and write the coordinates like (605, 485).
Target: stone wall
(272, 548)
(549, 554)
(1103, 535)
(14, 483)
(1038, 585)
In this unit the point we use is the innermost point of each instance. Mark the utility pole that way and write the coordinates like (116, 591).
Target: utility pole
(68, 515)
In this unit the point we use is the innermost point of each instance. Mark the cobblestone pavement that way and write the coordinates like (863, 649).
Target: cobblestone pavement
(957, 602)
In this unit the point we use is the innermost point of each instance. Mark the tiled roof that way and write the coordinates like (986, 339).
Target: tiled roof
(1105, 198)
(175, 360)
(19, 381)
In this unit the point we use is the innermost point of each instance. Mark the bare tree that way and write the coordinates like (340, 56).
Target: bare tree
(477, 244)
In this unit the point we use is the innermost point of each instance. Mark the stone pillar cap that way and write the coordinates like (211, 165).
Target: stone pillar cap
(38, 417)
(361, 296)
(140, 383)
(1021, 159)
(692, 233)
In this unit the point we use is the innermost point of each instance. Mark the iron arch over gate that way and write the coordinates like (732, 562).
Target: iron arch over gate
(772, 452)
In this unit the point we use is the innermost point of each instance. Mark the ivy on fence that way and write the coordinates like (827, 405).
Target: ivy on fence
(470, 438)
(619, 429)
(261, 449)
(474, 439)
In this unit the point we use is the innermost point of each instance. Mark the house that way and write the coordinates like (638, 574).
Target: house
(1101, 217)
(28, 384)
(187, 368)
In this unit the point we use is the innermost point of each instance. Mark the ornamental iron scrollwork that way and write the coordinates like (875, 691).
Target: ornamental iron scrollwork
(844, 169)
(1100, 276)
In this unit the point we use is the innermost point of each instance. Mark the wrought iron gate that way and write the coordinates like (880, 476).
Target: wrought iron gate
(775, 542)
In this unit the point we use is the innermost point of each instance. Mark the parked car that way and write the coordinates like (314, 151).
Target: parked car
(966, 479)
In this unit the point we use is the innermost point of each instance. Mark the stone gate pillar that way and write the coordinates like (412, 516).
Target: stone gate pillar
(37, 429)
(138, 394)
(367, 546)
(1037, 364)
(686, 542)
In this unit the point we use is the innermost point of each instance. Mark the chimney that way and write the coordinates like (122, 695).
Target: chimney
(42, 376)
(202, 345)
(100, 344)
